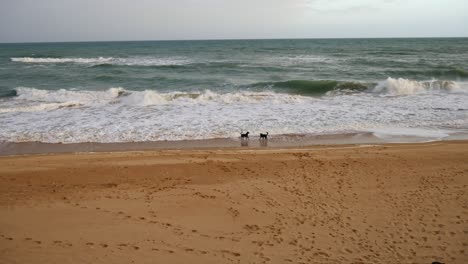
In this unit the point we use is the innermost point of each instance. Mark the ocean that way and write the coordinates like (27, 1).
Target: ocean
(186, 90)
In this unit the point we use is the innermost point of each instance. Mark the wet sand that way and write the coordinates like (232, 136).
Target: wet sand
(274, 141)
(399, 203)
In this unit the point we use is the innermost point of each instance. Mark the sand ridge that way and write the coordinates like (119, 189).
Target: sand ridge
(403, 203)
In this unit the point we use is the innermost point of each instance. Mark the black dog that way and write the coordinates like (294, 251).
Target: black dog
(264, 136)
(245, 135)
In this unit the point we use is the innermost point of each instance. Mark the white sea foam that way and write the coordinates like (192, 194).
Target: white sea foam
(63, 60)
(63, 96)
(402, 86)
(132, 61)
(39, 107)
(299, 60)
(389, 132)
(149, 97)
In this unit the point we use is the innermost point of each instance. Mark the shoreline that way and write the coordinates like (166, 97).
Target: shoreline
(277, 141)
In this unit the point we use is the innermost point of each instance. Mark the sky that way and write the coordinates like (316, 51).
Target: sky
(101, 20)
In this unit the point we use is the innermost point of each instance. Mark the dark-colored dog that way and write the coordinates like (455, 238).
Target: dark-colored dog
(264, 136)
(245, 135)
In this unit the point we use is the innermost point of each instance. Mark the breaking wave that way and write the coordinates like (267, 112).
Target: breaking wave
(49, 100)
(402, 86)
(62, 95)
(390, 86)
(293, 91)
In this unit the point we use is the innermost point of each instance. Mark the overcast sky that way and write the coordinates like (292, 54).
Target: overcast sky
(95, 20)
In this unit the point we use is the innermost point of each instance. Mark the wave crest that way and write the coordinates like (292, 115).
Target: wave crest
(402, 86)
(390, 86)
(150, 97)
(314, 87)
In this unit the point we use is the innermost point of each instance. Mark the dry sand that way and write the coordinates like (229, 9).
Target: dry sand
(371, 204)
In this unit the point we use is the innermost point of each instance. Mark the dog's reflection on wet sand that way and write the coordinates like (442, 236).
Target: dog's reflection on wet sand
(244, 142)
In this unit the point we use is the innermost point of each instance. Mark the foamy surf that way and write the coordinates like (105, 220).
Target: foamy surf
(120, 115)
(39, 107)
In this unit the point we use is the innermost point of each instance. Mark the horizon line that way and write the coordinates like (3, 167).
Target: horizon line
(226, 39)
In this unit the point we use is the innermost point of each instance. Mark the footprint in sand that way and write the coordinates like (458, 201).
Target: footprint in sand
(235, 254)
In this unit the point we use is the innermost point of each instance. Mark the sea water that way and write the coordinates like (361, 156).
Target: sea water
(182, 90)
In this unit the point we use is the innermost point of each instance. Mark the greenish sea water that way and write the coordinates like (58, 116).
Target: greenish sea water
(174, 90)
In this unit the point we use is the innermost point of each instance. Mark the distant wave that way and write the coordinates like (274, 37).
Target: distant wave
(63, 60)
(449, 73)
(132, 61)
(459, 72)
(270, 64)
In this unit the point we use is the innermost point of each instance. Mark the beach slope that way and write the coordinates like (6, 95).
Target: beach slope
(396, 203)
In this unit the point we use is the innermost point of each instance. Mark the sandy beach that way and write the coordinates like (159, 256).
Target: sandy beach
(395, 203)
